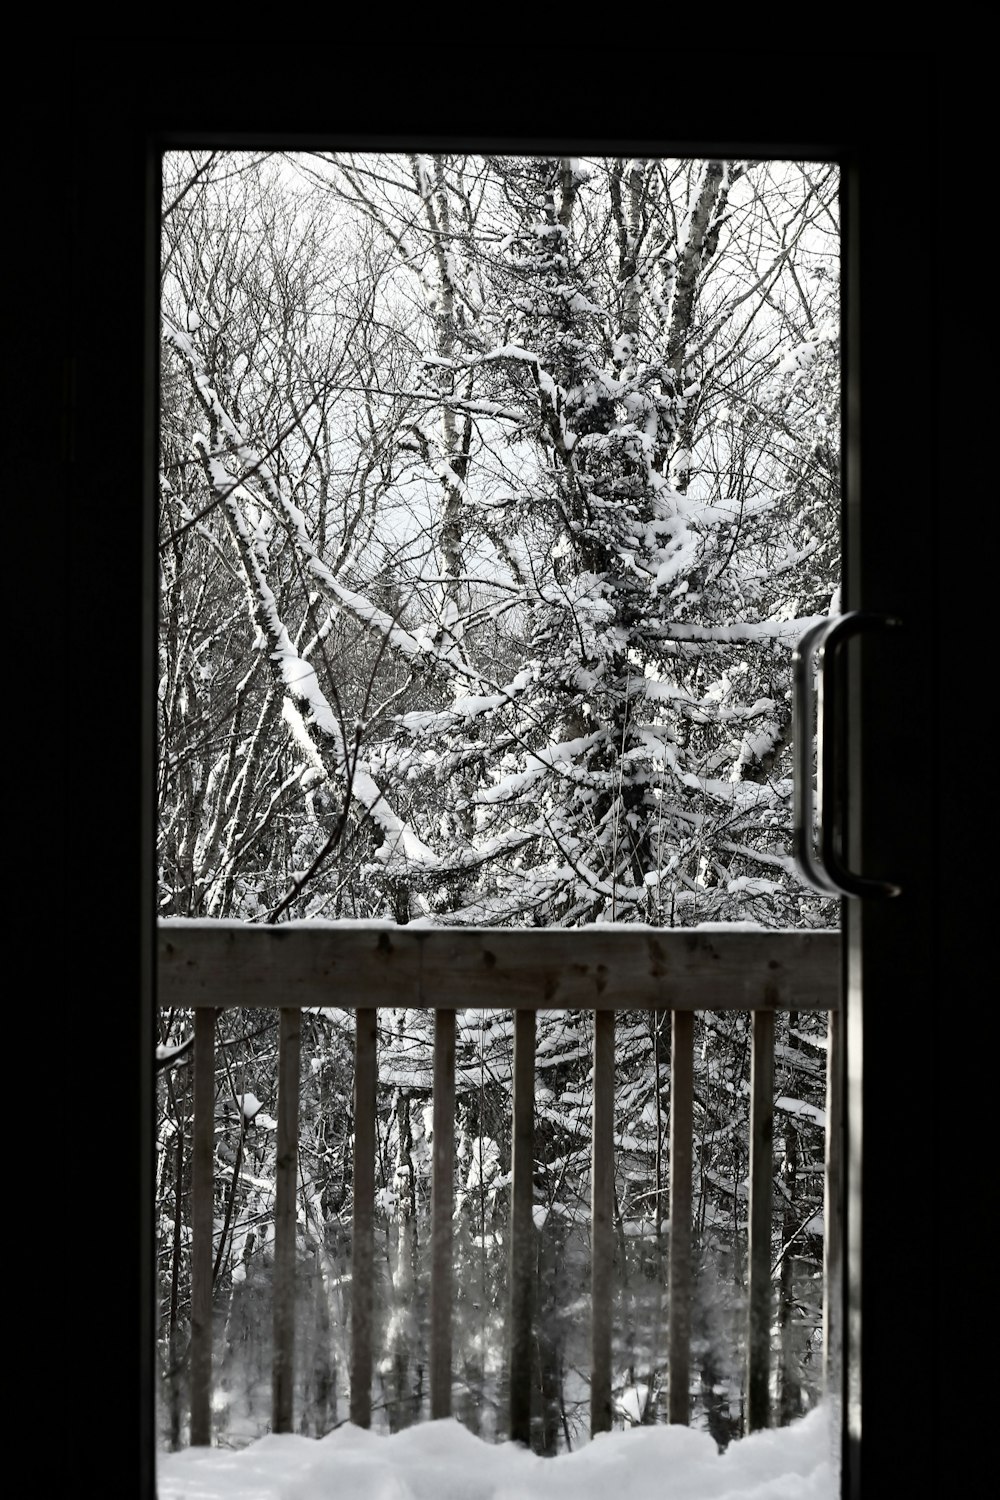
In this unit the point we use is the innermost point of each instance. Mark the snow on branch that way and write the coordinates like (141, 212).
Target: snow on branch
(315, 726)
(255, 466)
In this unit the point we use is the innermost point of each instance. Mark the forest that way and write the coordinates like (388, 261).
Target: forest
(495, 494)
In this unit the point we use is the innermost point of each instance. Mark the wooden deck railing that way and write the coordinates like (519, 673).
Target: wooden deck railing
(210, 966)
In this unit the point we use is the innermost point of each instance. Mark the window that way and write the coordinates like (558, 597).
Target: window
(495, 493)
(860, 103)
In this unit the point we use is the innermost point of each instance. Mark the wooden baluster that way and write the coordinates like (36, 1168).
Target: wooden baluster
(602, 1205)
(761, 1180)
(442, 1209)
(832, 1223)
(522, 1227)
(285, 1195)
(202, 1223)
(363, 1252)
(679, 1289)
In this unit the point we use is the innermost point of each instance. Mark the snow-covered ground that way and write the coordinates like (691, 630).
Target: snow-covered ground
(443, 1461)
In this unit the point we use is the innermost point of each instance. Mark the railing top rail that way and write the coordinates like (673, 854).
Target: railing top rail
(601, 967)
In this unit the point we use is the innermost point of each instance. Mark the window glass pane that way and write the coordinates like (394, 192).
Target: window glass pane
(495, 495)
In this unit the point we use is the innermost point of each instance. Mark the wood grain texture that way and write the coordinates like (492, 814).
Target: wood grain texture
(588, 968)
(363, 1228)
(679, 1286)
(283, 1367)
(602, 1207)
(760, 1211)
(522, 1227)
(202, 1221)
(832, 1212)
(442, 1209)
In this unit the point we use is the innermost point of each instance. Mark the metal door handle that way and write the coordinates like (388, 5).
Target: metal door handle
(823, 868)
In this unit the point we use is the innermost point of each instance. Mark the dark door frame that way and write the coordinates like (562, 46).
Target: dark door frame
(91, 201)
